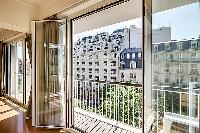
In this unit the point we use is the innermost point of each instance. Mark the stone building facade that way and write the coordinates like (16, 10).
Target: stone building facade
(99, 57)
(176, 63)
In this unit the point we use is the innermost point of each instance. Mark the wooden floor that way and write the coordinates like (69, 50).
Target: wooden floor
(87, 124)
(12, 120)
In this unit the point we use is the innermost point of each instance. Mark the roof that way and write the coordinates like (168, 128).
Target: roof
(131, 50)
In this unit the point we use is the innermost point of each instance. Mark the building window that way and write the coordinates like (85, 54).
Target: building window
(167, 57)
(90, 57)
(96, 70)
(179, 56)
(167, 47)
(97, 78)
(83, 63)
(90, 70)
(96, 63)
(179, 45)
(127, 56)
(122, 56)
(139, 55)
(193, 69)
(90, 76)
(133, 55)
(194, 44)
(132, 64)
(193, 56)
(105, 71)
(105, 63)
(90, 63)
(179, 69)
(193, 79)
(113, 63)
(105, 78)
(122, 64)
(155, 50)
(167, 80)
(115, 55)
(113, 79)
(113, 71)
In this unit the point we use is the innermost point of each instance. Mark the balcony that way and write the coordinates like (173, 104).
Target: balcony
(176, 106)
(105, 107)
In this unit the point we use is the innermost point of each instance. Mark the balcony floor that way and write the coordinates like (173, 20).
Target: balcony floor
(12, 119)
(87, 124)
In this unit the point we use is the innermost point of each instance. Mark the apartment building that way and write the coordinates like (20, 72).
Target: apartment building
(115, 57)
(177, 62)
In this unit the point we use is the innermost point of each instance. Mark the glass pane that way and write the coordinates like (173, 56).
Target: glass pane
(16, 71)
(107, 66)
(175, 72)
(50, 74)
(28, 73)
(19, 70)
(13, 69)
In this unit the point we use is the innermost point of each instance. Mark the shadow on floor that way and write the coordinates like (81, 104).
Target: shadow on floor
(13, 120)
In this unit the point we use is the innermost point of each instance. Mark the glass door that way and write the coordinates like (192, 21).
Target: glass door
(15, 66)
(49, 74)
(175, 66)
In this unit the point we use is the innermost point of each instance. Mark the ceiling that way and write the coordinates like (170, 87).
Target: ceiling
(35, 3)
(5, 33)
(16, 15)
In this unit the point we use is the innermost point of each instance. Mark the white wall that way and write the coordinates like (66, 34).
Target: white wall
(16, 16)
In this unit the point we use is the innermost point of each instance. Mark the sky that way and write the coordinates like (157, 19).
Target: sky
(184, 22)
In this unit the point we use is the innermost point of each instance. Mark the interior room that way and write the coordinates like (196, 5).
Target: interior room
(99, 66)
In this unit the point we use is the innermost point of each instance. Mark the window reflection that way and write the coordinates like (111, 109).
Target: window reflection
(176, 68)
(16, 63)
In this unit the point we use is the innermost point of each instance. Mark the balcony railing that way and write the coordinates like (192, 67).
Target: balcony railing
(176, 102)
(119, 103)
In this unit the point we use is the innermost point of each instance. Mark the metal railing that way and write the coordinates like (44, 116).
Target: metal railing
(177, 102)
(121, 103)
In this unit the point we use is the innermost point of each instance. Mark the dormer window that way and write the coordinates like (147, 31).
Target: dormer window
(133, 55)
(139, 55)
(194, 44)
(156, 48)
(128, 56)
(180, 45)
(122, 56)
(167, 47)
